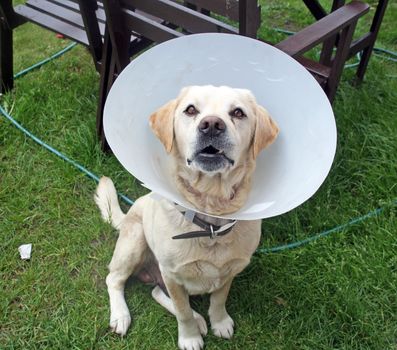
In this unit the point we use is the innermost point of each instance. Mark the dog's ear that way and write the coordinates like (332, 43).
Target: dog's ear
(162, 124)
(266, 130)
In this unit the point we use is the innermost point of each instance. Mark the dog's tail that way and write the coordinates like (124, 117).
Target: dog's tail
(106, 199)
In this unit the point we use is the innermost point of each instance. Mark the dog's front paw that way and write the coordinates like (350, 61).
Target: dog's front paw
(120, 323)
(202, 324)
(223, 328)
(190, 343)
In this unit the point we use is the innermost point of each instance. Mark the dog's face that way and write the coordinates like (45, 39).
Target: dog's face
(214, 128)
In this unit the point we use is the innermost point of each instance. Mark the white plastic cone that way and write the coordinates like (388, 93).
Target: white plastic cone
(288, 172)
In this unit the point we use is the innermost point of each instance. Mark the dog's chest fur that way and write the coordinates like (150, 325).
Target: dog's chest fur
(203, 276)
(202, 265)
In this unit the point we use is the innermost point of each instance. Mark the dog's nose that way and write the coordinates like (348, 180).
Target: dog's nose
(212, 126)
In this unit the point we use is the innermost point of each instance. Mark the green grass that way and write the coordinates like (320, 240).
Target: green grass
(339, 292)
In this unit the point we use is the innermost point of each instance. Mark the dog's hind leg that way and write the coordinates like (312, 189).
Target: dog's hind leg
(128, 257)
(166, 302)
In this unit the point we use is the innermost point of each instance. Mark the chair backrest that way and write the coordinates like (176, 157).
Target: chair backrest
(161, 20)
(245, 12)
(82, 21)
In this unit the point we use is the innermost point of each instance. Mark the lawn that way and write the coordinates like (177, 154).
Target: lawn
(338, 292)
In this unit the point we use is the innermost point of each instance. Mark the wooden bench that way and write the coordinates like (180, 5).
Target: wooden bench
(82, 21)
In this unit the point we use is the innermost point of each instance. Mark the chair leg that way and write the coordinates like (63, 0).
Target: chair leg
(375, 26)
(87, 9)
(362, 67)
(105, 76)
(249, 18)
(326, 51)
(328, 46)
(315, 8)
(341, 55)
(6, 58)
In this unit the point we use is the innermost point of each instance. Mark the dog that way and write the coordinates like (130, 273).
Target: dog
(213, 136)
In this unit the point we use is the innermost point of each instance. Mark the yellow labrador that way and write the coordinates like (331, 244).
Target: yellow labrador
(213, 135)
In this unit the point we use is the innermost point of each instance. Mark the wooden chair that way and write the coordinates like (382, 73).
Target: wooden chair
(122, 20)
(342, 23)
(364, 43)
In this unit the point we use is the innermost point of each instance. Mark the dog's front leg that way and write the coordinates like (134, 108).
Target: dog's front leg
(189, 337)
(221, 323)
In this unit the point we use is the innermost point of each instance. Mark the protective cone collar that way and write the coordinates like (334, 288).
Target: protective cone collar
(288, 172)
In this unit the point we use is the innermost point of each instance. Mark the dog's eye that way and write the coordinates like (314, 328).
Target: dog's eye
(191, 110)
(237, 113)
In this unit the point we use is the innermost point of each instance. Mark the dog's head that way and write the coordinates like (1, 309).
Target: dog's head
(214, 135)
(214, 128)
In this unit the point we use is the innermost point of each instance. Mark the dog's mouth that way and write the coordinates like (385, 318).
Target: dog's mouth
(211, 151)
(211, 159)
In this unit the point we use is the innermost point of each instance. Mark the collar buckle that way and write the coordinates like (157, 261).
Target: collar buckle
(213, 234)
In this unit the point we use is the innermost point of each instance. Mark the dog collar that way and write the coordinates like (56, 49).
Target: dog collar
(210, 230)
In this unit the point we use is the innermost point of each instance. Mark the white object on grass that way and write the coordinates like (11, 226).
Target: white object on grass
(25, 251)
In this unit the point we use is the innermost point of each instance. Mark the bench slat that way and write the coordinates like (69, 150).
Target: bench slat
(149, 28)
(229, 8)
(180, 15)
(71, 5)
(59, 12)
(54, 24)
